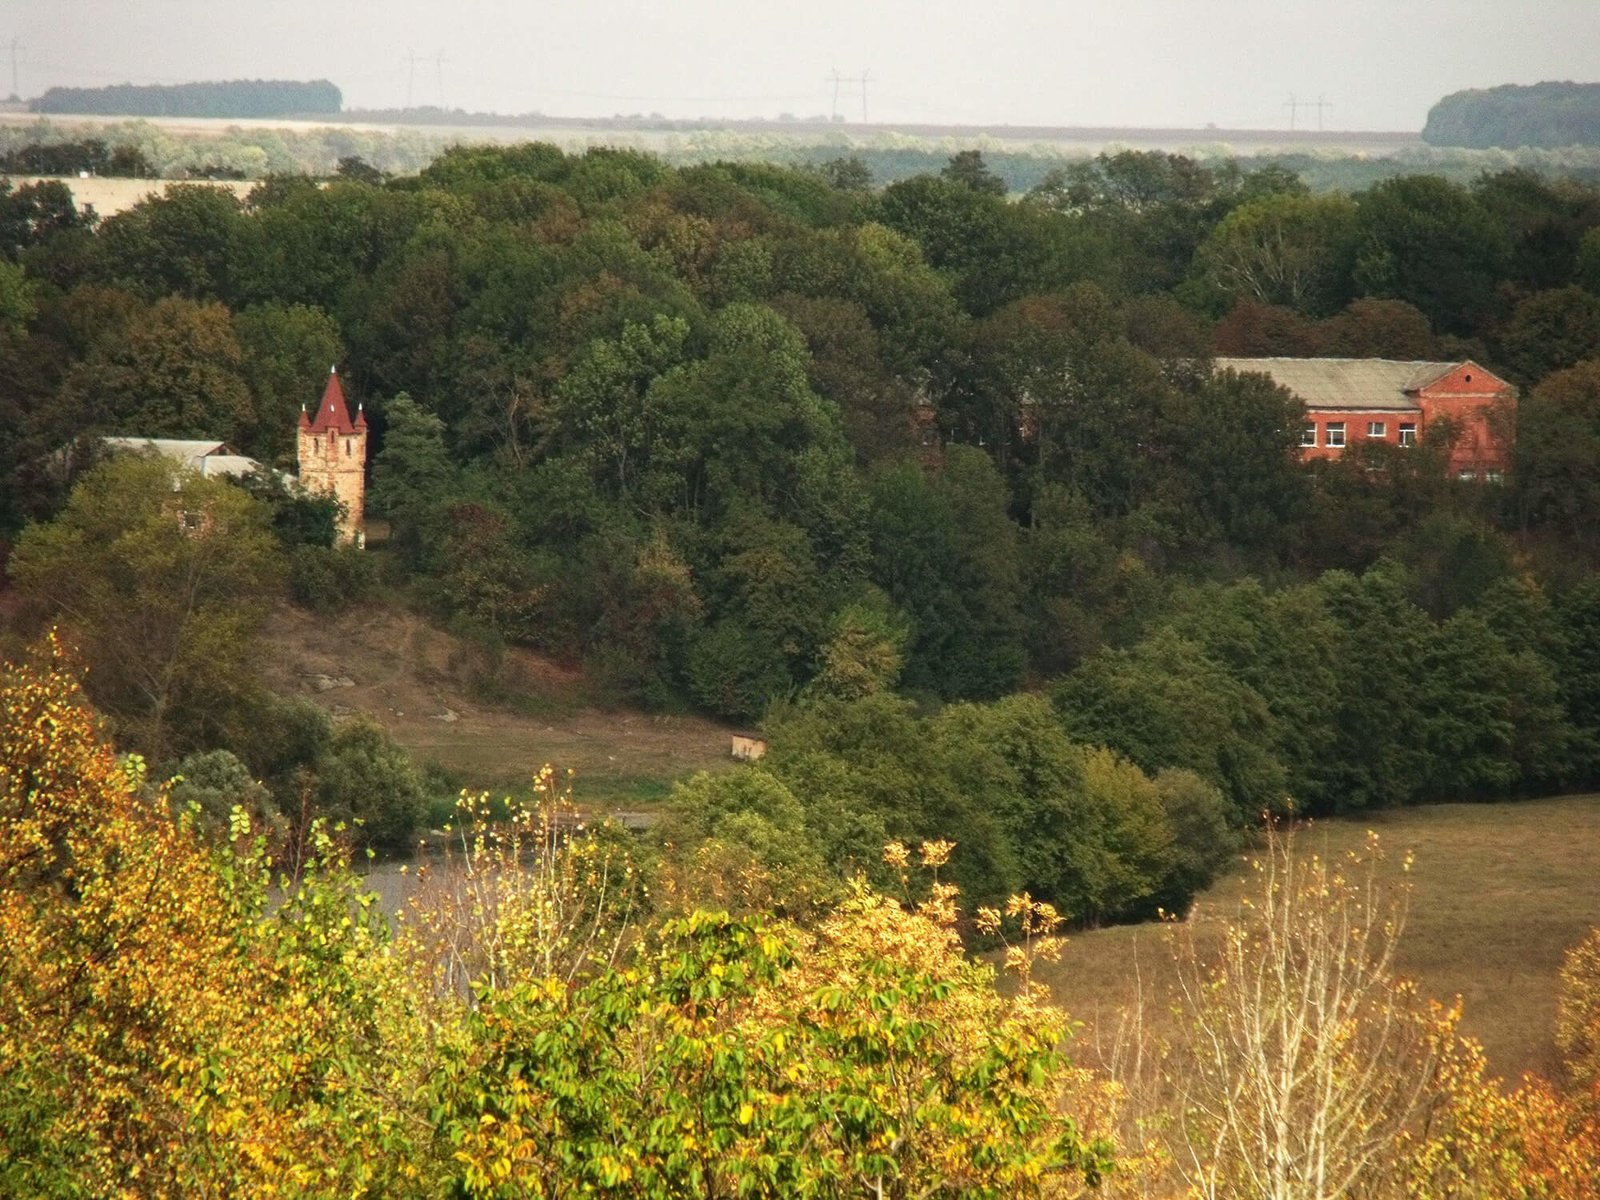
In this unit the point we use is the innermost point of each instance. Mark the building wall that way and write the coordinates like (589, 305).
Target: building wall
(335, 463)
(1476, 402)
(1356, 423)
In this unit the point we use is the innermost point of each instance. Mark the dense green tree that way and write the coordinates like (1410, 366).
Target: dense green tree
(1549, 332)
(746, 842)
(1282, 645)
(1377, 757)
(363, 777)
(190, 241)
(34, 214)
(288, 351)
(413, 479)
(1165, 704)
(162, 578)
(16, 299)
(944, 550)
(1452, 561)
(864, 649)
(967, 168)
(1290, 250)
(1546, 216)
(175, 370)
(1231, 445)
(605, 412)
(1558, 451)
(1429, 242)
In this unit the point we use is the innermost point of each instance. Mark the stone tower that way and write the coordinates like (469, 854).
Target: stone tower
(333, 457)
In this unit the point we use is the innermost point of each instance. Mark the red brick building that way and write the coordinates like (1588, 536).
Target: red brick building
(1351, 400)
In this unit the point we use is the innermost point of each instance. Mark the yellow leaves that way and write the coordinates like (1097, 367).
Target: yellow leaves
(936, 854)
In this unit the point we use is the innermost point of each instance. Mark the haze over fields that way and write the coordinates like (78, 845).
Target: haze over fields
(1378, 64)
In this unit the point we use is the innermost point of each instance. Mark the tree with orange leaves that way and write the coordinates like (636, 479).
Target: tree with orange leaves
(163, 1030)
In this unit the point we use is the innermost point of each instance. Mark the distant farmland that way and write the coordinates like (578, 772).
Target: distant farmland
(111, 196)
(648, 133)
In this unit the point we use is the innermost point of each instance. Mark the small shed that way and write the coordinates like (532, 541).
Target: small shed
(747, 747)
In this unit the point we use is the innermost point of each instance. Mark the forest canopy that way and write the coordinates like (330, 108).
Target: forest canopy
(230, 98)
(1513, 115)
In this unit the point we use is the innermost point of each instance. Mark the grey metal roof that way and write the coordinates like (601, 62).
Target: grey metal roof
(228, 464)
(1353, 383)
(209, 458)
(183, 449)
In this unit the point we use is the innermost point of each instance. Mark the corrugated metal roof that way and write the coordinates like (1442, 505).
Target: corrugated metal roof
(209, 458)
(228, 464)
(1353, 383)
(184, 449)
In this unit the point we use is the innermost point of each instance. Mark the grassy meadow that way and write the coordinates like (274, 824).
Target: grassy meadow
(1499, 892)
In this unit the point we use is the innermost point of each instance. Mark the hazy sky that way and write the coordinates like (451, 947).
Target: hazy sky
(1379, 64)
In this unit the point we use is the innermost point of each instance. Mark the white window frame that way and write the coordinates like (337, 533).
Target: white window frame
(1308, 435)
(1334, 432)
(1408, 433)
(1377, 429)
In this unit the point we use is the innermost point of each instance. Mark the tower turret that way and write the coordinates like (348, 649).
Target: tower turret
(332, 453)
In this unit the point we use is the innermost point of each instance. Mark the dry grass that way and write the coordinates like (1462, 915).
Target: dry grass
(425, 686)
(111, 196)
(1499, 893)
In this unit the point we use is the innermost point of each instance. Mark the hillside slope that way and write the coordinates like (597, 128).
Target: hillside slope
(426, 687)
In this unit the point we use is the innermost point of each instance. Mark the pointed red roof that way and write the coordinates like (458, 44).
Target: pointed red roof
(333, 414)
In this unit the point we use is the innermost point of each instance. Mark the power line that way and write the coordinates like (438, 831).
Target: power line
(863, 79)
(1294, 105)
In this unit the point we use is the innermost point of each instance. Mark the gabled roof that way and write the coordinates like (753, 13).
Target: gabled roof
(209, 458)
(333, 414)
(1353, 383)
(190, 452)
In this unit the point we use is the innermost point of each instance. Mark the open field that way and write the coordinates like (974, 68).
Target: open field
(650, 133)
(111, 196)
(1500, 892)
(424, 686)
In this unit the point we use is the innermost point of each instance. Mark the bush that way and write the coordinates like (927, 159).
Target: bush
(217, 782)
(366, 779)
(329, 579)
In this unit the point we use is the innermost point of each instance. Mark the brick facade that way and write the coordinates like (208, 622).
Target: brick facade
(1352, 401)
(332, 454)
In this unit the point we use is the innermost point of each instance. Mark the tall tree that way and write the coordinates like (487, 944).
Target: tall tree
(162, 577)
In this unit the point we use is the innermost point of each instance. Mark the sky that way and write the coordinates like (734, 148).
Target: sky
(1373, 64)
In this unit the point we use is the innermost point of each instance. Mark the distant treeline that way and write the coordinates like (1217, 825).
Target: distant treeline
(1545, 114)
(68, 158)
(233, 98)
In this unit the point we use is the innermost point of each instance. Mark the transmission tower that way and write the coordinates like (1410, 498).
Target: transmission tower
(863, 79)
(16, 88)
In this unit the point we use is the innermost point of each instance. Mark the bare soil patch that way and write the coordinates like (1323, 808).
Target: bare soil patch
(426, 687)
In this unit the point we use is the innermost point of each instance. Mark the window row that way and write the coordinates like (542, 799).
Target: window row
(1333, 433)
